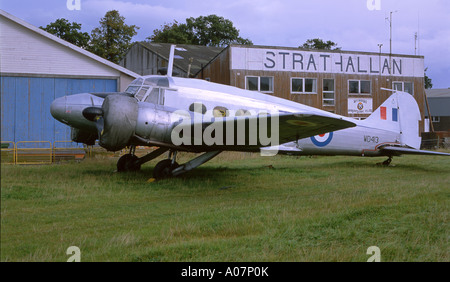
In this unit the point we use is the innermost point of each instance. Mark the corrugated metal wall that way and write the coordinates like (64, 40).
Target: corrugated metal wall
(26, 105)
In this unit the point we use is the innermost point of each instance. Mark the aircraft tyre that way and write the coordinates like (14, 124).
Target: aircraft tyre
(127, 163)
(164, 168)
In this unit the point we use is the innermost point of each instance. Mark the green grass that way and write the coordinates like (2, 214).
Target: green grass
(233, 208)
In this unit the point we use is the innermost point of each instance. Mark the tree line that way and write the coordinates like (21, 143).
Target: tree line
(112, 39)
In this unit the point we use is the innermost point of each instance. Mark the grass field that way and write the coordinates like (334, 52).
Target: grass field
(237, 207)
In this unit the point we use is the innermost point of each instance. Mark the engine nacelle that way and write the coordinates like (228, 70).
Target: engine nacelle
(120, 114)
(155, 123)
(83, 136)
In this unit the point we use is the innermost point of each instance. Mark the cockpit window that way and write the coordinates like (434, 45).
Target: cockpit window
(153, 96)
(134, 86)
(132, 89)
(157, 81)
(141, 94)
(137, 81)
(150, 90)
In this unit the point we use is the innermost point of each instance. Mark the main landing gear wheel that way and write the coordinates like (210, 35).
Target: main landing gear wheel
(386, 162)
(164, 169)
(128, 163)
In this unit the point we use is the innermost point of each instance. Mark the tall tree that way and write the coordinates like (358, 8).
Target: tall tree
(113, 38)
(70, 32)
(319, 44)
(427, 80)
(211, 30)
(171, 33)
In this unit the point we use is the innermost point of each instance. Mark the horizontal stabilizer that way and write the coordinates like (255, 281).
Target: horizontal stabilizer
(391, 150)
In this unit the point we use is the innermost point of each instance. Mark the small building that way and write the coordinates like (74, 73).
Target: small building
(439, 104)
(146, 58)
(343, 82)
(36, 68)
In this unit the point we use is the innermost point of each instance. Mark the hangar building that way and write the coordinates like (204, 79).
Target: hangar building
(147, 58)
(37, 67)
(343, 82)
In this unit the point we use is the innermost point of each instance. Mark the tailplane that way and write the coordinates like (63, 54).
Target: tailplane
(399, 113)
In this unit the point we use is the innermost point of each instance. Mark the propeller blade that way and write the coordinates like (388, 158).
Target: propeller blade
(100, 125)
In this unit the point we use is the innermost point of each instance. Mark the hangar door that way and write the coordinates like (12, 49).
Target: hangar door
(26, 105)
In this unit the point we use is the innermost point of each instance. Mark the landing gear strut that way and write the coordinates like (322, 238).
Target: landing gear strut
(131, 162)
(165, 168)
(386, 162)
(169, 167)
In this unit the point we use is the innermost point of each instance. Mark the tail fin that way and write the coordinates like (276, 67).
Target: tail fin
(399, 113)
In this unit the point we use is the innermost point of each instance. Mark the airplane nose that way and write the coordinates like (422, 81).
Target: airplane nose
(58, 108)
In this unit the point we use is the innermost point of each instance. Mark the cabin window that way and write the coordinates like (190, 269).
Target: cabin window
(220, 112)
(403, 86)
(242, 112)
(197, 107)
(259, 83)
(359, 87)
(328, 92)
(303, 85)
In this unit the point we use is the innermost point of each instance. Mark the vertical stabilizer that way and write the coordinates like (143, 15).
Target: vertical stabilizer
(399, 113)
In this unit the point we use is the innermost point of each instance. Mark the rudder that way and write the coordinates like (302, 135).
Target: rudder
(399, 113)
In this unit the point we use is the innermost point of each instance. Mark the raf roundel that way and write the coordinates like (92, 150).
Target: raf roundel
(322, 140)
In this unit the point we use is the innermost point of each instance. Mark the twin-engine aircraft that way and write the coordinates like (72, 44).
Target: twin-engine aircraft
(182, 114)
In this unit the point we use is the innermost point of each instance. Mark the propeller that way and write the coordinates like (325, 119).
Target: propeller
(115, 120)
(95, 114)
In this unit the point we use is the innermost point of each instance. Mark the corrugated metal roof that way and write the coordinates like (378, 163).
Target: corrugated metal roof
(441, 92)
(201, 55)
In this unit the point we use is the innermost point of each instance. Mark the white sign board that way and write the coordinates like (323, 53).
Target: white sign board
(292, 60)
(360, 105)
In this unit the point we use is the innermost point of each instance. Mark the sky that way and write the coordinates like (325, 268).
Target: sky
(355, 25)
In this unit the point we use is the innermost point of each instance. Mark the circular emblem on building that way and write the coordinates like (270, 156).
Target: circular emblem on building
(322, 140)
(360, 106)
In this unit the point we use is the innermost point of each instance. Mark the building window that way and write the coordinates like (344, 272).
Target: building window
(259, 83)
(303, 85)
(435, 119)
(328, 92)
(359, 87)
(403, 86)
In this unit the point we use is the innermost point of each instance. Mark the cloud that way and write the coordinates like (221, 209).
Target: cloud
(280, 22)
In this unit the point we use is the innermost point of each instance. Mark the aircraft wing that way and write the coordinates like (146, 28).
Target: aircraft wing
(397, 151)
(298, 126)
(281, 128)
